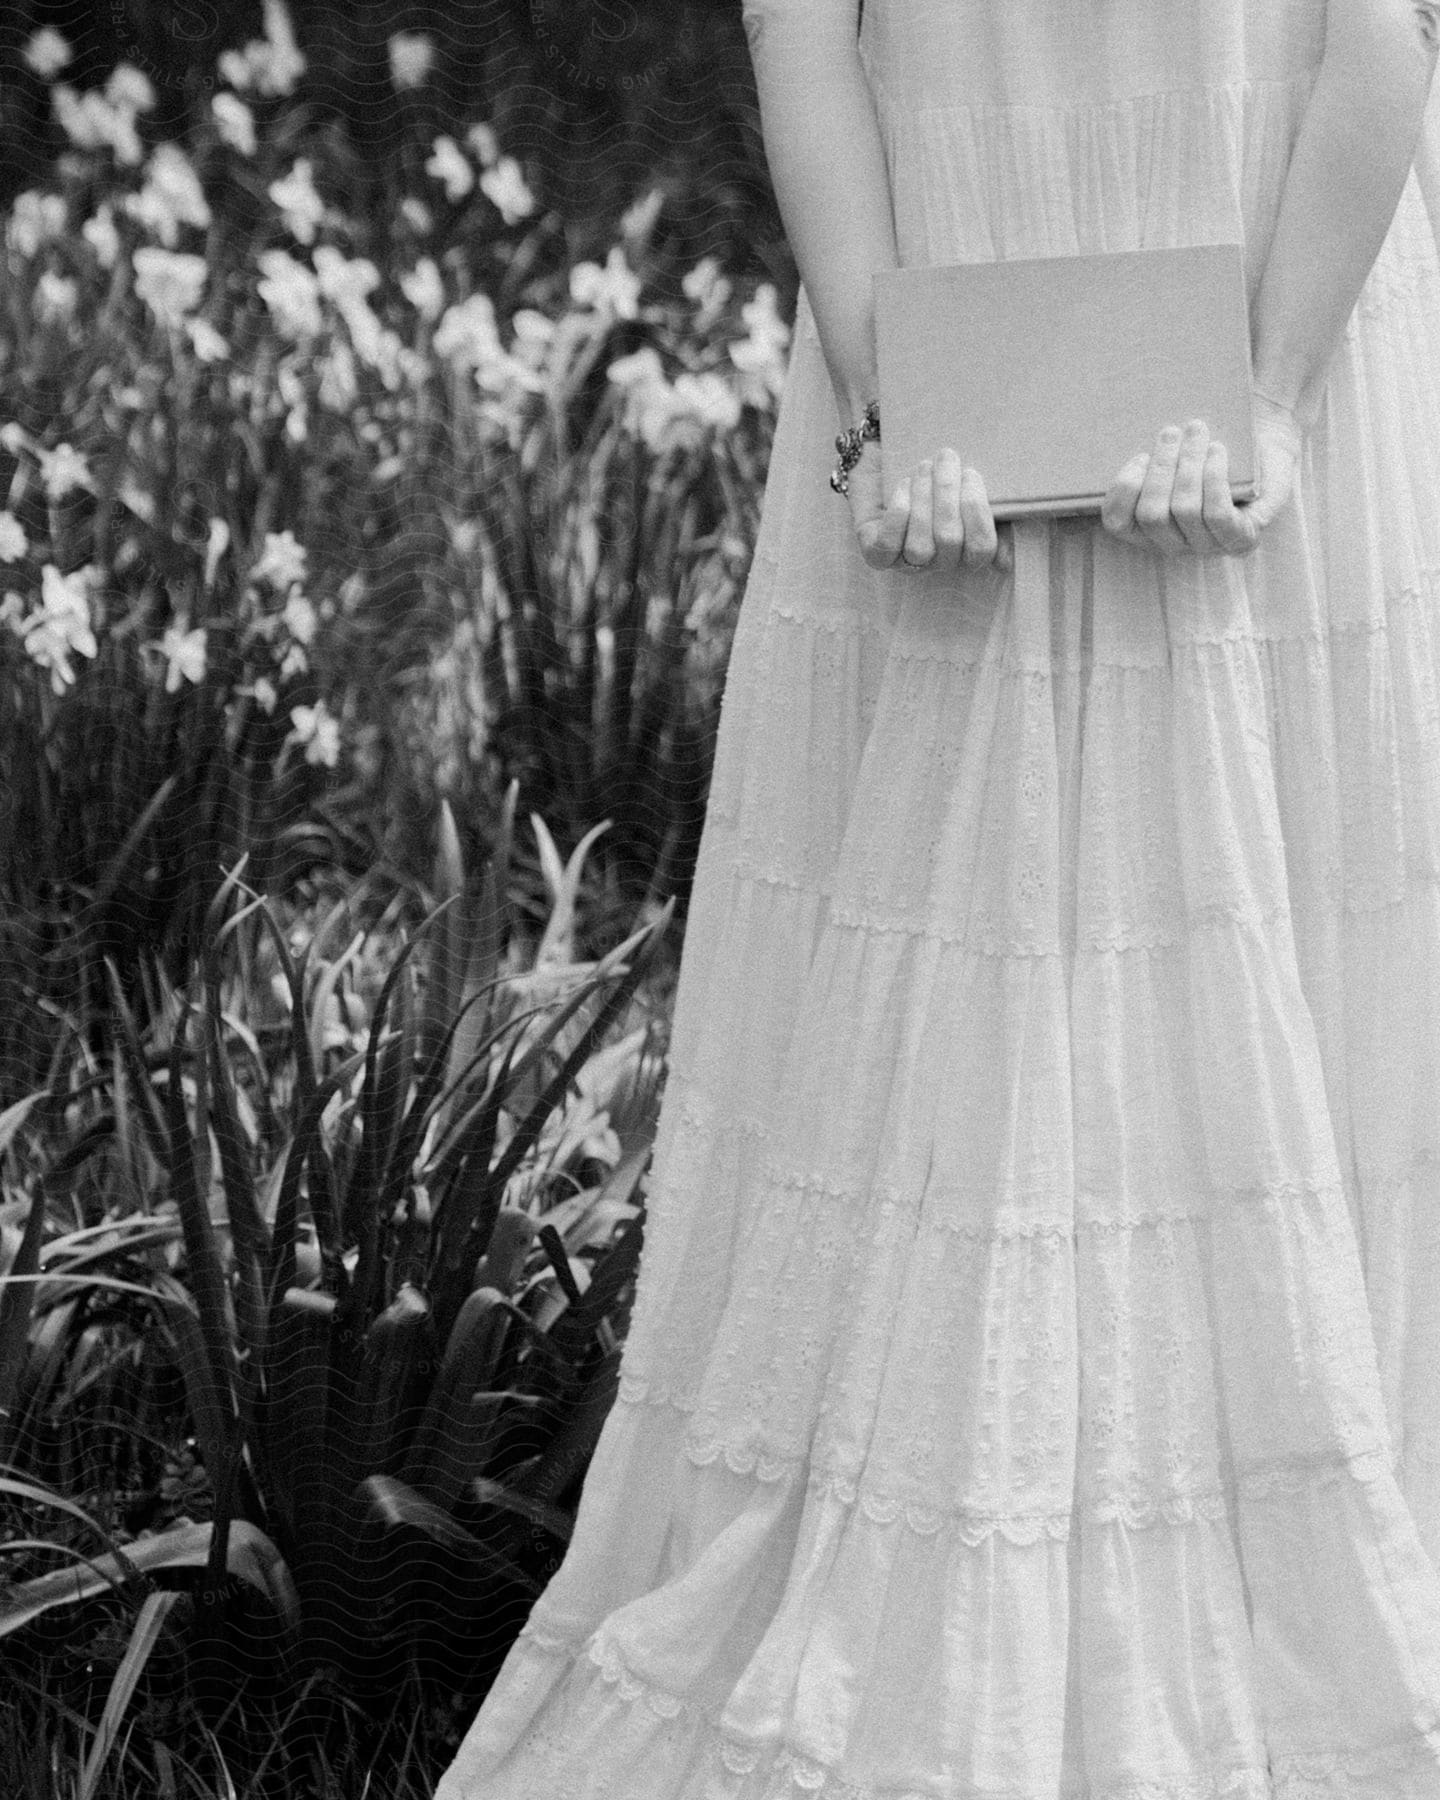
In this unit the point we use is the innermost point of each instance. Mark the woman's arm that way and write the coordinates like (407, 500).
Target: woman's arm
(827, 164)
(822, 142)
(1351, 158)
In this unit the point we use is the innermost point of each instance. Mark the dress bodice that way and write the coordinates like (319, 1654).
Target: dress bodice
(1046, 127)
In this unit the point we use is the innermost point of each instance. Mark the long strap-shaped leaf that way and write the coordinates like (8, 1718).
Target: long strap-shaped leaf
(643, 943)
(146, 1632)
(206, 1277)
(252, 1558)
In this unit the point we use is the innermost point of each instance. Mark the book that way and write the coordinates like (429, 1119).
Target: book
(1048, 374)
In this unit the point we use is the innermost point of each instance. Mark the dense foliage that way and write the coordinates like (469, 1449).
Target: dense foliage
(357, 501)
(324, 503)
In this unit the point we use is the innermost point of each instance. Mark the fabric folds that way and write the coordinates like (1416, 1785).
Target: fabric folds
(1033, 1389)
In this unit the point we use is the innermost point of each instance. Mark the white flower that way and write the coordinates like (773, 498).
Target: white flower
(339, 388)
(100, 233)
(467, 333)
(346, 283)
(534, 334)
(760, 357)
(282, 561)
(708, 288)
(423, 288)
(291, 293)
(482, 140)
(130, 89)
(318, 731)
(344, 280)
(412, 56)
(172, 195)
(216, 545)
(237, 67)
(287, 63)
(447, 163)
(184, 653)
(263, 690)
(272, 64)
(505, 375)
(638, 220)
(13, 542)
(641, 366)
(710, 399)
(12, 612)
(61, 625)
(55, 296)
(206, 341)
(614, 289)
(297, 198)
(294, 661)
(91, 123)
(62, 470)
(651, 404)
(15, 438)
(299, 618)
(375, 344)
(169, 283)
(46, 52)
(235, 123)
(504, 186)
(35, 218)
(416, 214)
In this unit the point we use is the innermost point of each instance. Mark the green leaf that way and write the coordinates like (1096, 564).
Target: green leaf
(209, 1401)
(14, 1117)
(146, 1632)
(553, 1519)
(455, 1436)
(17, 1300)
(564, 1458)
(251, 1557)
(394, 1504)
(557, 944)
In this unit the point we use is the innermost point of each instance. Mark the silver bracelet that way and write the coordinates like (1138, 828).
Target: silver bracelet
(849, 444)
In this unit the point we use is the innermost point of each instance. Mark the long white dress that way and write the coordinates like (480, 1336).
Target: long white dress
(1034, 1382)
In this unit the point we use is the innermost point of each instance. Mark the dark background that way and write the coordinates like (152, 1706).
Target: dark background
(598, 98)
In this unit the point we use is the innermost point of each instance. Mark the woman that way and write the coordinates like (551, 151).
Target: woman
(1034, 1381)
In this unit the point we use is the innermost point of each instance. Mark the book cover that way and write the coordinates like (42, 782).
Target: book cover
(1049, 374)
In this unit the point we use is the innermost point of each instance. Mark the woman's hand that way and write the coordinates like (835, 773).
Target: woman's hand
(938, 518)
(1175, 498)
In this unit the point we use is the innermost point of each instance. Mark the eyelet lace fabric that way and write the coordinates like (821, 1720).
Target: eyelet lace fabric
(1033, 1384)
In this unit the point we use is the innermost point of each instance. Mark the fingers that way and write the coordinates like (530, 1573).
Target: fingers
(1175, 499)
(1117, 509)
(880, 529)
(1187, 490)
(948, 524)
(981, 539)
(1152, 508)
(939, 518)
(1234, 532)
(919, 549)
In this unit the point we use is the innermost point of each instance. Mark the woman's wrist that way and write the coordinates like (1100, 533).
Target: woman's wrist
(1295, 416)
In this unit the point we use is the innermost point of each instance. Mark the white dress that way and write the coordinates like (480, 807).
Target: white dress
(1034, 1381)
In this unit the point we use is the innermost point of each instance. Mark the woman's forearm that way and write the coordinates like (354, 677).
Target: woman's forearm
(1351, 158)
(827, 164)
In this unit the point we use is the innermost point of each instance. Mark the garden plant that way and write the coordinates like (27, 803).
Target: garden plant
(352, 509)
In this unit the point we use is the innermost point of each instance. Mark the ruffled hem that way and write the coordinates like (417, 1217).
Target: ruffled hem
(1044, 1226)
(650, 1742)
